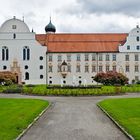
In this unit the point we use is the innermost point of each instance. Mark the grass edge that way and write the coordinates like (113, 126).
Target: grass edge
(32, 123)
(115, 122)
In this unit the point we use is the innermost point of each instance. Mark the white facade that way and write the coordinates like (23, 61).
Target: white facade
(132, 43)
(125, 61)
(130, 66)
(27, 58)
(21, 53)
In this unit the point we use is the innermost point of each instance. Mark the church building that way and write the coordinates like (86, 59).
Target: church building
(21, 54)
(66, 58)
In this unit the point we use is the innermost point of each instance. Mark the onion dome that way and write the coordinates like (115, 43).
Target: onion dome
(50, 28)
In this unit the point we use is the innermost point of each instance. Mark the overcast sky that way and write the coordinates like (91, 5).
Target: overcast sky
(88, 16)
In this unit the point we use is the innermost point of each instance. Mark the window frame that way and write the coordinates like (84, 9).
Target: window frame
(5, 53)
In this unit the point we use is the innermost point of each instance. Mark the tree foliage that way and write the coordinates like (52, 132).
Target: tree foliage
(111, 78)
(7, 78)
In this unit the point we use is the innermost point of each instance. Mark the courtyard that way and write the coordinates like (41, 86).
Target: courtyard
(73, 118)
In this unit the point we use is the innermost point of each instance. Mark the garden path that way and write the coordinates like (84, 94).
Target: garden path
(73, 118)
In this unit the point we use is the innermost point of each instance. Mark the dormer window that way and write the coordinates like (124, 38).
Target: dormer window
(14, 26)
(128, 47)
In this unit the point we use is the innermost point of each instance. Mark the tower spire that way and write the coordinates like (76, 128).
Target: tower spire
(50, 19)
(23, 18)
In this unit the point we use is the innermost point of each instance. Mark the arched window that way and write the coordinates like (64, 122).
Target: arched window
(14, 36)
(26, 53)
(26, 76)
(5, 53)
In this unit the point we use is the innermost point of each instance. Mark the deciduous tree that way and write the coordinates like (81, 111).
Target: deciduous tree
(111, 78)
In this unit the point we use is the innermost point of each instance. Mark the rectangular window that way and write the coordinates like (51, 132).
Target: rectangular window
(93, 68)
(86, 68)
(128, 47)
(100, 68)
(86, 57)
(138, 47)
(78, 57)
(127, 68)
(69, 68)
(59, 68)
(93, 57)
(107, 68)
(114, 68)
(107, 57)
(136, 57)
(100, 57)
(69, 58)
(14, 26)
(114, 57)
(50, 58)
(50, 68)
(59, 58)
(78, 68)
(136, 68)
(136, 78)
(126, 57)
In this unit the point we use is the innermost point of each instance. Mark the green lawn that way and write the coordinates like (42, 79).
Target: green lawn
(17, 114)
(126, 112)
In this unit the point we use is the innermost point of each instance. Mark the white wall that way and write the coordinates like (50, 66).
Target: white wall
(120, 63)
(15, 47)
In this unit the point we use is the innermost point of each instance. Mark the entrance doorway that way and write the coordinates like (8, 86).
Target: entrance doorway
(15, 68)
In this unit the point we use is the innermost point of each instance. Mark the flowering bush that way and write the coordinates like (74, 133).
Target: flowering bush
(111, 78)
(7, 78)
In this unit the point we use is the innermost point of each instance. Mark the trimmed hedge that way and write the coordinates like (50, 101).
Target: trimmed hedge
(65, 91)
(73, 87)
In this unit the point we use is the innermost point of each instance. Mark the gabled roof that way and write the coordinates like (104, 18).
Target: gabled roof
(108, 42)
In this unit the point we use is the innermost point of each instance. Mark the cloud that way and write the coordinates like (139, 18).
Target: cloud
(74, 15)
(98, 23)
(129, 7)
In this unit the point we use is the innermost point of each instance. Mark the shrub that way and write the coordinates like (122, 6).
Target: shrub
(7, 78)
(111, 78)
(8, 82)
(13, 89)
(138, 82)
